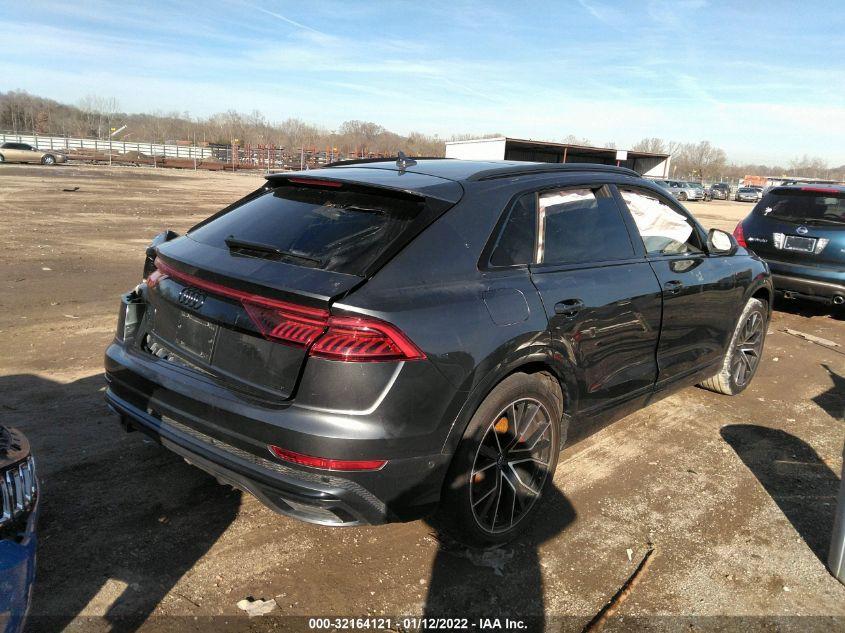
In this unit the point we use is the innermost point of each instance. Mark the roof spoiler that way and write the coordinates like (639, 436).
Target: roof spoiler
(549, 168)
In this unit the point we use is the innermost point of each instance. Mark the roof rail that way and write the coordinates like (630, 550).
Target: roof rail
(364, 161)
(548, 168)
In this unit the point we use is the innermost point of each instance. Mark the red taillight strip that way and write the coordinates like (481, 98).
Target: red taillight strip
(326, 463)
(354, 339)
(166, 270)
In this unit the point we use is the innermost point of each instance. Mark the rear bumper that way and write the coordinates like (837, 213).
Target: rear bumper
(811, 282)
(808, 288)
(406, 488)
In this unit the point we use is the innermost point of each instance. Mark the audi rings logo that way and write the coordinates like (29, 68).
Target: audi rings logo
(192, 298)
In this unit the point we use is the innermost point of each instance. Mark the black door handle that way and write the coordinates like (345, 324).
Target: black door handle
(674, 286)
(568, 307)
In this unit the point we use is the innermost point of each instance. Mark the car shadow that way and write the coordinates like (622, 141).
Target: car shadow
(833, 400)
(796, 478)
(497, 582)
(122, 520)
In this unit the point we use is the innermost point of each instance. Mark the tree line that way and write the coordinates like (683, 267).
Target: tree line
(705, 162)
(95, 116)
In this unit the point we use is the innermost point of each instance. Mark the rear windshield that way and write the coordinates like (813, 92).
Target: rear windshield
(333, 229)
(804, 207)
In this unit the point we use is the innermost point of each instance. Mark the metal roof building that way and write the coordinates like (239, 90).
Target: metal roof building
(506, 148)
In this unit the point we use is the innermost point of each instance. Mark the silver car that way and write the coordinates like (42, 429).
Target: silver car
(683, 191)
(24, 153)
(665, 184)
(698, 190)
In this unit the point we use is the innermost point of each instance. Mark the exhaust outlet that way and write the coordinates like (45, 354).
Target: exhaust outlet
(838, 300)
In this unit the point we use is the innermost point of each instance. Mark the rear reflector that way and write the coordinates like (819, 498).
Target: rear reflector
(740, 235)
(325, 463)
(355, 339)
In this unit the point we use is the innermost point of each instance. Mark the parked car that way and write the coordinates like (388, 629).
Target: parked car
(368, 342)
(682, 191)
(18, 517)
(665, 185)
(698, 190)
(720, 191)
(23, 153)
(746, 194)
(800, 232)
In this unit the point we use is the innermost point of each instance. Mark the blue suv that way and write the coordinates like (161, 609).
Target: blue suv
(800, 232)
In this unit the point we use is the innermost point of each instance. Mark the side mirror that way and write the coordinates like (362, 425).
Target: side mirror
(721, 242)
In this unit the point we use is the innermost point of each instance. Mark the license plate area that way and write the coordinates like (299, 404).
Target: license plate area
(195, 335)
(801, 244)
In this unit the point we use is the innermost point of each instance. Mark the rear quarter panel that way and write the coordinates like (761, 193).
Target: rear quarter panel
(474, 326)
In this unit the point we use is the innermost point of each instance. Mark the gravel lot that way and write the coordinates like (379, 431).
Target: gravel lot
(735, 496)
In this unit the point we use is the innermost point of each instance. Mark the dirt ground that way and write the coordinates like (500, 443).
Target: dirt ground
(735, 496)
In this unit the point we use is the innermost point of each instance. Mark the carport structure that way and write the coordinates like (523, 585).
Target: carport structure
(507, 148)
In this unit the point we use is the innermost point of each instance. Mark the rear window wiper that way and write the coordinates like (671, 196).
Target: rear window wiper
(239, 245)
(823, 221)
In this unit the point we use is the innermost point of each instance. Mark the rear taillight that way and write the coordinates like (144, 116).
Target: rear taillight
(327, 463)
(364, 339)
(740, 235)
(354, 339)
(286, 323)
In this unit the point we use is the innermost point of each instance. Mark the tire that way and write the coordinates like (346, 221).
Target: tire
(739, 367)
(2, 158)
(49, 159)
(522, 467)
(682, 197)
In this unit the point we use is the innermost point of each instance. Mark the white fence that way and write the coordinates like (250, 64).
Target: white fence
(59, 143)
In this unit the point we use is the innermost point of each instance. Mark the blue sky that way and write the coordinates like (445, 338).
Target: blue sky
(763, 80)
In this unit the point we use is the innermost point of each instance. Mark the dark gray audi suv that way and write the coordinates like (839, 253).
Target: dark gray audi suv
(376, 340)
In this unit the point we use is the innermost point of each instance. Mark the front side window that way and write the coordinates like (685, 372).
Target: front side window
(580, 226)
(664, 231)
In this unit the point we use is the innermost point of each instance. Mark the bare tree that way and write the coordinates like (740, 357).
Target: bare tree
(571, 139)
(700, 160)
(655, 145)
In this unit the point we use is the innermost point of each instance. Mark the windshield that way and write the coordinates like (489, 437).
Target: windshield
(332, 229)
(804, 207)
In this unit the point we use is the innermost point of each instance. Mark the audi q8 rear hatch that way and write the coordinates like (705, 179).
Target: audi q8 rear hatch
(244, 295)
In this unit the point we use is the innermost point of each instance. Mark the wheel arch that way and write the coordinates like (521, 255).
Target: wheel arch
(539, 361)
(764, 291)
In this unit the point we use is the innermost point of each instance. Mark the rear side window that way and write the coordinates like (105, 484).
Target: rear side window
(804, 206)
(580, 226)
(517, 238)
(333, 229)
